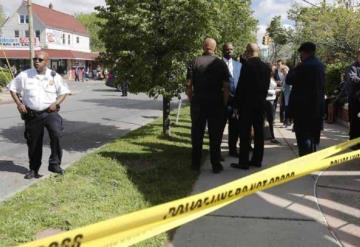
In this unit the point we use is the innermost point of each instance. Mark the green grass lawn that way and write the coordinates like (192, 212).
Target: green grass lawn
(142, 169)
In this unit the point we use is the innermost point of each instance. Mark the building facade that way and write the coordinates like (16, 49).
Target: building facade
(63, 37)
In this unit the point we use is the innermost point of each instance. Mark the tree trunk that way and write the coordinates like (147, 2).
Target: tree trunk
(166, 115)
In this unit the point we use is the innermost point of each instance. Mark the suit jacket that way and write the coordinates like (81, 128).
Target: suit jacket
(352, 81)
(306, 104)
(234, 75)
(253, 85)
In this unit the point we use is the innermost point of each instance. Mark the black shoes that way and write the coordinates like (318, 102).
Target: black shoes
(274, 141)
(32, 174)
(217, 168)
(56, 169)
(240, 166)
(256, 164)
(245, 166)
(233, 154)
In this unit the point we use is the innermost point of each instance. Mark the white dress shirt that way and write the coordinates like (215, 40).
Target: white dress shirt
(229, 63)
(38, 91)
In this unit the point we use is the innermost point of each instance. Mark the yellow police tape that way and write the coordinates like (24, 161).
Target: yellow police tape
(137, 226)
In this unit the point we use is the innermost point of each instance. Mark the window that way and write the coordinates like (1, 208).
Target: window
(27, 19)
(68, 39)
(27, 34)
(77, 40)
(63, 39)
(22, 19)
(37, 34)
(17, 34)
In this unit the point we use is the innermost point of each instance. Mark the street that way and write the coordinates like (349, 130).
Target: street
(93, 115)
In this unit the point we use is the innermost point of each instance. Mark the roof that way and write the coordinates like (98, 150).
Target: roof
(53, 54)
(56, 19)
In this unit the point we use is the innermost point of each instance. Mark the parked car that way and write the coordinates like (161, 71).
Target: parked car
(110, 82)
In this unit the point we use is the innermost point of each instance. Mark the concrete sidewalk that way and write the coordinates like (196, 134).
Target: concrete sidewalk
(5, 97)
(321, 209)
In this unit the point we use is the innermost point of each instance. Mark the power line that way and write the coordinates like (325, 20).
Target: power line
(310, 3)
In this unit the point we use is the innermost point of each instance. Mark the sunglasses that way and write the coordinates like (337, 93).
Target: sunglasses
(38, 59)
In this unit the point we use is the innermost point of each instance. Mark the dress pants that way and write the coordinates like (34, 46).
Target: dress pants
(306, 142)
(213, 115)
(34, 133)
(354, 109)
(233, 128)
(252, 117)
(269, 113)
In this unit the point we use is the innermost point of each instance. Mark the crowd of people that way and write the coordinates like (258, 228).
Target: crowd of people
(246, 92)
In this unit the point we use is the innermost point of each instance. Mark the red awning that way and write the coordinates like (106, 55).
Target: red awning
(53, 54)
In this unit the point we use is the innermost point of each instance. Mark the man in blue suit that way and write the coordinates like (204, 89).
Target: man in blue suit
(234, 71)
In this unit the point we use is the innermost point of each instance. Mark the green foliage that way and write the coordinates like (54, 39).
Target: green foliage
(334, 29)
(334, 74)
(92, 23)
(278, 34)
(5, 77)
(150, 42)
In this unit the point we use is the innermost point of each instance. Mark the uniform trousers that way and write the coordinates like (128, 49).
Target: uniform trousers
(252, 117)
(34, 133)
(213, 115)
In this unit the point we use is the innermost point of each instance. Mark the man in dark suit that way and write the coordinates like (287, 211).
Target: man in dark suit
(234, 71)
(306, 105)
(250, 100)
(208, 92)
(352, 88)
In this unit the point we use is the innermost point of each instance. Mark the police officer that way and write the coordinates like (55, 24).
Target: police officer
(208, 90)
(42, 91)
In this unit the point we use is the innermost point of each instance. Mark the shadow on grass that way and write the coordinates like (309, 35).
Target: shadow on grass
(78, 135)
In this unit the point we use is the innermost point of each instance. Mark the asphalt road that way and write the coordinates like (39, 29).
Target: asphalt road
(93, 116)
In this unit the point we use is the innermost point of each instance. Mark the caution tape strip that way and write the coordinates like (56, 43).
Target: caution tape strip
(140, 225)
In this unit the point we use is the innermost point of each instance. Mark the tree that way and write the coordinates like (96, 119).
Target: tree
(92, 23)
(278, 36)
(2, 15)
(151, 42)
(333, 28)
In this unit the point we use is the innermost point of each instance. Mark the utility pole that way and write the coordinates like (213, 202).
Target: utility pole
(31, 33)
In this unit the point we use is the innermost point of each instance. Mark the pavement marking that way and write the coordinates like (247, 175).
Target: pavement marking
(260, 218)
(337, 188)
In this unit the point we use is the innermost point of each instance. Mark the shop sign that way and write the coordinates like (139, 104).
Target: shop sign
(21, 42)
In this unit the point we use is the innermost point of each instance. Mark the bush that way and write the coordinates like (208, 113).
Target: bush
(333, 76)
(5, 77)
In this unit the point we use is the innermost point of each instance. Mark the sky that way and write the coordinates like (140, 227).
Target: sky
(264, 10)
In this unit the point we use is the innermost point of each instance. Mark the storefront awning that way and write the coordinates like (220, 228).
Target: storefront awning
(53, 54)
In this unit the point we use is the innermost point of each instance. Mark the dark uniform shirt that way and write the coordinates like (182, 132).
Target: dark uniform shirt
(208, 74)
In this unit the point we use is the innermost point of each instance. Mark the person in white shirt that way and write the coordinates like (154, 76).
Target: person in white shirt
(38, 93)
(270, 98)
(234, 70)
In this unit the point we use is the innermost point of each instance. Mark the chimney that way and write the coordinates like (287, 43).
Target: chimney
(50, 6)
